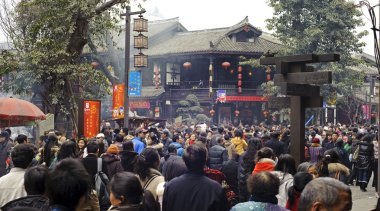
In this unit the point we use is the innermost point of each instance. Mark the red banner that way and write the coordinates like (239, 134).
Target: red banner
(139, 104)
(118, 101)
(366, 113)
(91, 118)
(246, 98)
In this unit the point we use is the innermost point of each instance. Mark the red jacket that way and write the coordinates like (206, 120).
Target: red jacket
(265, 164)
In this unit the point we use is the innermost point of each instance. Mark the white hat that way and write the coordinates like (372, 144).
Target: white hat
(100, 135)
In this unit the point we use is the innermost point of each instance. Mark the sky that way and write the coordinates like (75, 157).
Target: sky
(203, 14)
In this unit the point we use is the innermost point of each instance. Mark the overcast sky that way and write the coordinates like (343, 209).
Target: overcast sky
(203, 14)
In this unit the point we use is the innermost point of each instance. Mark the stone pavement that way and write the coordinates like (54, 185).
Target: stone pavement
(363, 201)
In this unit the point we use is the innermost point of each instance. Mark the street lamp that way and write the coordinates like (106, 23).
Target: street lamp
(141, 25)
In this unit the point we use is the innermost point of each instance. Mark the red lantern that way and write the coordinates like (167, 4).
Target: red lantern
(240, 69)
(237, 112)
(239, 89)
(212, 112)
(268, 77)
(239, 83)
(157, 109)
(232, 71)
(226, 65)
(94, 65)
(187, 65)
(240, 76)
(265, 113)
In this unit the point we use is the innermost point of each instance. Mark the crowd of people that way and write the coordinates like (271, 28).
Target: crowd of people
(187, 168)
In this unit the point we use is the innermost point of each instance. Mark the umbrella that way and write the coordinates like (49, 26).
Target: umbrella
(17, 112)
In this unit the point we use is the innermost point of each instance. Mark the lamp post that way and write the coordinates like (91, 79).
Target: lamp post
(127, 55)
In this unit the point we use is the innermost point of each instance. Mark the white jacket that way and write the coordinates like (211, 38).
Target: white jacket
(12, 186)
(286, 181)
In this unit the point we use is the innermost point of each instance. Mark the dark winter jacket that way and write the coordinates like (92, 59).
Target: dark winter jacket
(5, 149)
(91, 165)
(277, 146)
(166, 142)
(172, 166)
(245, 169)
(194, 191)
(33, 201)
(217, 155)
(128, 159)
(113, 164)
(230, 170)
(366, 155)
(179, 148)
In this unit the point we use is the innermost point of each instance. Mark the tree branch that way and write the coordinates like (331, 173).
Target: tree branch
(108, 4)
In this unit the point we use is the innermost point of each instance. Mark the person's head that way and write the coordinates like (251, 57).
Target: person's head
(140, 133)
(220, 140)
(22, 155)
(238, 133)
(113, 149)
(366, 138)
(220, 130)
(175, 138)
(286, 164)
(335, 136)
(308, 168)
(316, 140)
(265, 152)
(9, 132)
(331, 156)
(124, 131)
(300, 180)
(119, 138)
(22, 139)
(263, 184)
(149, 158)
(195, 157)
(275, 135)
(128, 146)
(172, 149)
(68, 184)
(125, 189)
(3, 136)
(325, 194)
(165, 134)
(82, 143)
(68, 150)
(193, 137)
(34, 180)
(92, 147)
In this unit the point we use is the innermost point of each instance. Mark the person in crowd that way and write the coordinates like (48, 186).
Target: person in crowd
(108, 133)
(127, 194)
(34, 183)
(172, 150)
(375, 162)
(22, 139)
(48, 154)
(239, 144)
(308, 168)
(192, 139)
(91, 161)
(285, 170)
(153, 141)
(12, 184)
(285, 138)
(68, 150)
(265, 160)
(128, 156)
(354, 170)
(330, 166)
(102, 142)
(325, 194)
(146, 168)
(364, 161)
(124, 131)
(275, 144)
(332, 143)
(174, 166)
(230, 169)
(113, 161)
(343, 155)
(68, 185)
(263, 187)
(177, 142)
(246, 166)
(165, 140)
(315, 151)
(193, 190)
(81, 145)
(301, 179)
(217, 154)
(218, 132)
(138, 142)
(118, 141)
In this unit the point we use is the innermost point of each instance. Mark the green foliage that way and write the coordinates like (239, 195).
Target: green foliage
(270, 89)
(191, 111)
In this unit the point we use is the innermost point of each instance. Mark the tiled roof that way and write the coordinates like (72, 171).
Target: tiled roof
(149, 92)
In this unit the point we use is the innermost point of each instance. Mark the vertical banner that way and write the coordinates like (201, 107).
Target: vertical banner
(366, 114)
(134, 88)
(118, 101)
(221, 96)
(91, 118)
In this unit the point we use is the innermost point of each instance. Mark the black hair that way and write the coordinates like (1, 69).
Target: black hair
(125, 130)
(202, 139)
(175, 138)
(119, 138)
(47, 155)
(34, 180)
(9, 131)
(220, 130)
(330, 156)
(21, 138)
(172, 148)
(92, 147)
(264, 152)
(126, 184)
(263, 184)
(68, 150)
(286, 164)
(22, 155)
(68, 183)
(238, 133)
(116, 130)
(128, 146)
(300, 180)
(366, 138)
(195, 157)
(148, 158)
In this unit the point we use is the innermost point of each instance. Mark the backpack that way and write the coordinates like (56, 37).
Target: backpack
(101, 182)
(355, 156)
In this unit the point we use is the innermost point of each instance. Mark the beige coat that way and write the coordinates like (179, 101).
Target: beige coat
(12, 186)
(153, 184)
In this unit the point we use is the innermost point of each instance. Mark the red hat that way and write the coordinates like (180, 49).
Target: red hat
(113, 149)
(316, 140)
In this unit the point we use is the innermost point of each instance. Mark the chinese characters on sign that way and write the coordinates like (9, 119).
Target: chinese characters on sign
(118, 101)
(134, 88)
(91, 118)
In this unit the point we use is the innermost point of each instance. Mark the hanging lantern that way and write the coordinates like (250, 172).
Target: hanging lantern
(187, 65)
(212, 112)
(268, 70)
(239, 83)
(232, 71)
(240, 69)
(265, 113)
(140, 60)
(240, 76)
(94, 65)
(239, 89)
(268, 77)
(237, 112)
(226, 65)
(141, 41)
(140, 24)
(250, 73)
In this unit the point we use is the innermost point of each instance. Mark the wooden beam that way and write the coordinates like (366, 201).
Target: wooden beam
(318, 78)
(313, 102)
(297, 125)
(284, 102)
(299, 89)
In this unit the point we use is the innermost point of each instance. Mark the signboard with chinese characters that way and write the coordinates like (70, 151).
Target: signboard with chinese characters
(134, 88)
(91, 118)
(139, 104)
(118, 101)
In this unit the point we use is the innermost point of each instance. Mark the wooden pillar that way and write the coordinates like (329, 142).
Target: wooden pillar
(297, 135)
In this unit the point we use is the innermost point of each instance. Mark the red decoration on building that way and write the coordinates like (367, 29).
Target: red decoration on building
(237, 112)
(212, 112)
(265, 113)
(240, 90)
(239, 83)
(94, 65)
(268, 77)
(240, 76)
(226, 65)
(240, 69)
(268, 73)
(230, 98)
(187, 65)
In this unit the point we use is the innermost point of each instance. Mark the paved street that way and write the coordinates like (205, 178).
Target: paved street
(363, 201)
